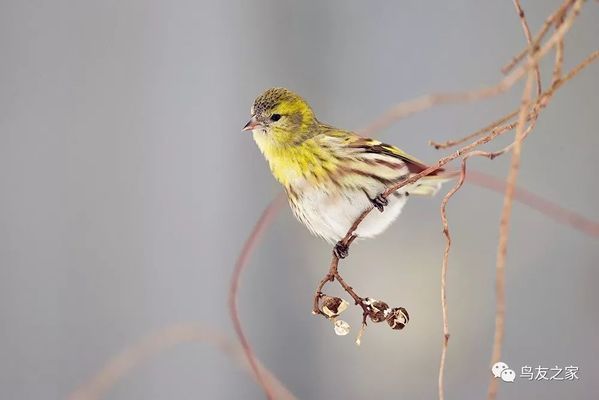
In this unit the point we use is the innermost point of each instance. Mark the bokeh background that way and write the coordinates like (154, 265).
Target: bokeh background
(128, 189)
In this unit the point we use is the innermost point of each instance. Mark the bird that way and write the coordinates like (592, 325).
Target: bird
(331, 175)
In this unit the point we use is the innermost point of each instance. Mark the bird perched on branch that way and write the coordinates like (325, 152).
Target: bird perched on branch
(331, 176)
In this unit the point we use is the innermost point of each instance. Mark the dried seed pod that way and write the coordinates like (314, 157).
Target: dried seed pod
(378, 310)
(341, 327)
(332, 306)
(397, 318)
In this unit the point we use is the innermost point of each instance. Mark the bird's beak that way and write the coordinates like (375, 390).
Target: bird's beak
(252, 124)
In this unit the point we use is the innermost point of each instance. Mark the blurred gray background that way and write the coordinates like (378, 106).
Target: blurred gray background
(128, 188)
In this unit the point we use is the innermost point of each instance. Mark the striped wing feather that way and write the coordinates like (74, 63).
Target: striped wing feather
(427, 186)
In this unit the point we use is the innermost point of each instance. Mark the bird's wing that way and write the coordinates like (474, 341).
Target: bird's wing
(389, 162)
(386, 151)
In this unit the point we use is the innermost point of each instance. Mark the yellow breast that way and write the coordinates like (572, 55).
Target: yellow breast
(304, 163)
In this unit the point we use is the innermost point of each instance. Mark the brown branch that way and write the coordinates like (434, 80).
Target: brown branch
(149, 346)
(330, 277)
(458, 185)
(444, 268)
(504, 233)
(510, 191)
(559, 54)
(267, 215)
(420, 104)
(488, 128)
(537, 40)
(528, 36)
(445, 262)
(542, 102)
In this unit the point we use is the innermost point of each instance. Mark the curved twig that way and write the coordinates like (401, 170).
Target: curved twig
(504, 226)
(267, 215)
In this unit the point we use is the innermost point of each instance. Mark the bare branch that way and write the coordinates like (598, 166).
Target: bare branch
(559, 53)
(528, 36)
(541, 103)
(267, 215)
(537, 40)
(419, 104)
(444, 268)
(504, 233)
(491, 126)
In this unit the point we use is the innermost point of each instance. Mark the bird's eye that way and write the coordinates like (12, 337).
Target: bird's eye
(275, 117)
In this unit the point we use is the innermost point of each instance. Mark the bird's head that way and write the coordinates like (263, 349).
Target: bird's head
(282, 118)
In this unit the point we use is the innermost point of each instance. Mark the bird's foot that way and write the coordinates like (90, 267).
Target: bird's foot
(380, 202)
(341, 250)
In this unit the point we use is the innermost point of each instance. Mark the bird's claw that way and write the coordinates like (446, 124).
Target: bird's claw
(380, 202)
(340, 250)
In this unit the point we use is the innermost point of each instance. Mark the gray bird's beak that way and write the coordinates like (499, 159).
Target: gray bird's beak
(252, 124)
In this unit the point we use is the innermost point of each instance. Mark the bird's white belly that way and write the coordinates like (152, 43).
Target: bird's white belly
(330, 216)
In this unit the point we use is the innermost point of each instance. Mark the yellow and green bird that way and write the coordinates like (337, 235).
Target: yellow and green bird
(332, 175)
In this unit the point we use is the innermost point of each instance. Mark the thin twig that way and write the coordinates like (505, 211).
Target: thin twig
(528, 36)
(267, 215)
(559, 54)
(504, 233)
(491, 126)
(445, 263)
(541, 103)
(444, 268)
(330, 277)
(420, 104)
(537, 40)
